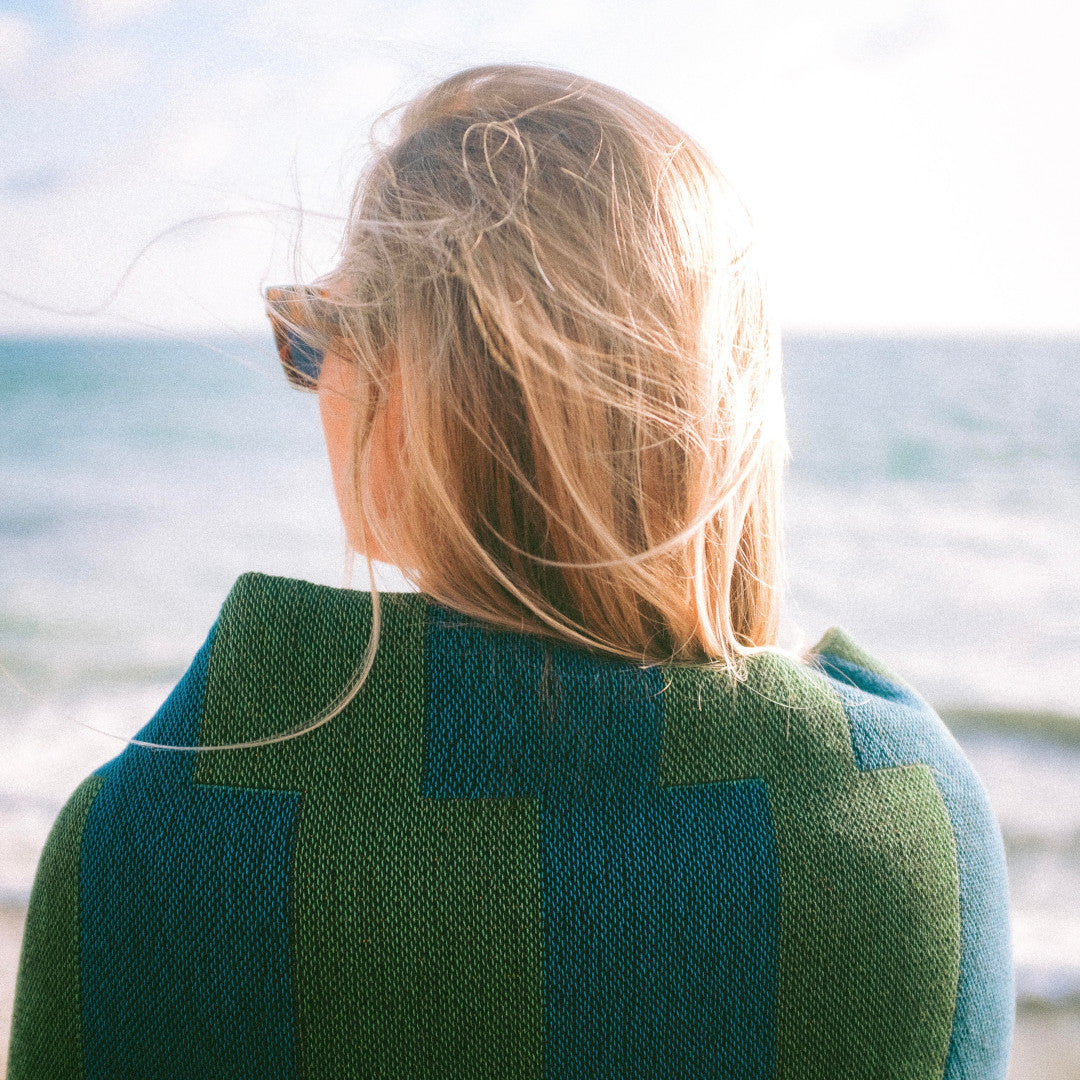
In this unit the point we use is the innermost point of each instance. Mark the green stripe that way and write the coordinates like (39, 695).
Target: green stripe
(837, 642)
(395, 931)
(869, 911)
(46, 1026)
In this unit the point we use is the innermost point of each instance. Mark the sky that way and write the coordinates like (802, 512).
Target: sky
(910, 165)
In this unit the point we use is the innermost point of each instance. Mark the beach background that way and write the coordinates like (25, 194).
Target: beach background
(933, 511)
(911, 167)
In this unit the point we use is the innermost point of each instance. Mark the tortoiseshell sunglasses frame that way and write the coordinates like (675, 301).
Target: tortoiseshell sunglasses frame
(289, 309)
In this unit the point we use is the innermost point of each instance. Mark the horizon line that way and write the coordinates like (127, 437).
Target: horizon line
(914, 332)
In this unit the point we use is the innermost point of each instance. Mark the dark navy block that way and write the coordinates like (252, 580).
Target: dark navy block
(660, 903)
(184, 914)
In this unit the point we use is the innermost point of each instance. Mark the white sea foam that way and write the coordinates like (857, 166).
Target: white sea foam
(973, 605)
(1046, 955)
(51, 756)
(1034, 788)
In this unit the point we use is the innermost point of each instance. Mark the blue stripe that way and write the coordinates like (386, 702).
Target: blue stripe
(660, 903)
(890, 726)
(186, 967)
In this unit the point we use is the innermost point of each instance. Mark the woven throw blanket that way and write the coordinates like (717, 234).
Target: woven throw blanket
(508, 858)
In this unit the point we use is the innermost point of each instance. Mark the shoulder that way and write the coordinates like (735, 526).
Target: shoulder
(280, 651)
(891, 724)
(888, 718)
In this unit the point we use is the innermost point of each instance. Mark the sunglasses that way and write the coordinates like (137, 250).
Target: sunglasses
(302, 319)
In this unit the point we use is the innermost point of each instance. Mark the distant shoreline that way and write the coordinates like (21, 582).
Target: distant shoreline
(1047, 724)
(258, 333)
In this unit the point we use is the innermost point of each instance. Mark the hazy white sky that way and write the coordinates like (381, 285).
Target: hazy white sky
(910, 164)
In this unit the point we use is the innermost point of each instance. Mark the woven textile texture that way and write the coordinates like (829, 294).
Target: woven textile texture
(508, 858)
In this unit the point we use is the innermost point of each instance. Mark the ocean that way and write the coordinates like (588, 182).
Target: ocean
(933, 510)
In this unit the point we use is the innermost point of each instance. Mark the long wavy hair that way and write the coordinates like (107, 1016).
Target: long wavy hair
(561, 290)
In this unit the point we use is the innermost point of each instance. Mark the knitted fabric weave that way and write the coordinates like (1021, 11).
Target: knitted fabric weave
(509, 858)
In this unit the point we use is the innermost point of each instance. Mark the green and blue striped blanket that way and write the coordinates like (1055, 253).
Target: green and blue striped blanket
(508, 858)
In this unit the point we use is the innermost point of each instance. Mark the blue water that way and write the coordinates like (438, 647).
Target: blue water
(934, 504)
(933, 510)
(993, 422)
(140, 479)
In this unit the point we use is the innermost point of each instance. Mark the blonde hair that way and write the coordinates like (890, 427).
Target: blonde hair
(562, 289)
